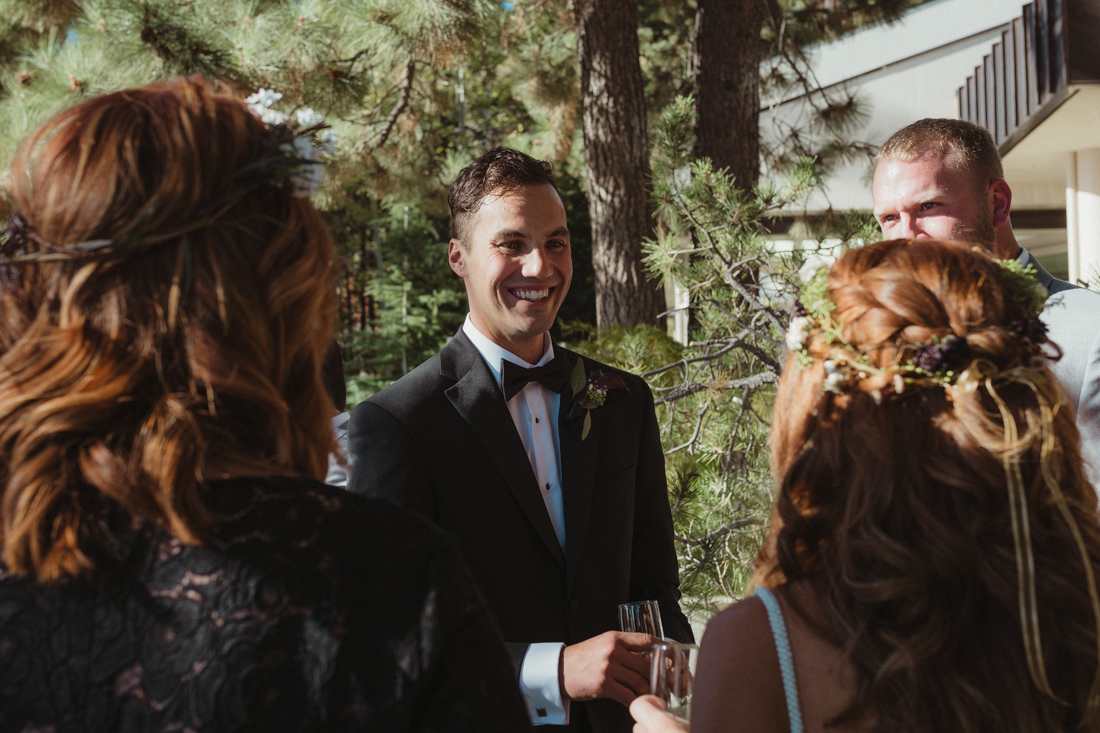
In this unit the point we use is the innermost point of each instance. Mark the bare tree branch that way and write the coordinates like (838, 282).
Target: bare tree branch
(724, 529)
(684, 362)
(684, 390)
(402, 103)
(695, 435)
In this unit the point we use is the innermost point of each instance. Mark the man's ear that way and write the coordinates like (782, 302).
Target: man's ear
(1001, 200)
(455, 256)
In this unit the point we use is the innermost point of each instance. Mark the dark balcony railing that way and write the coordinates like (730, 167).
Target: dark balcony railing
(1029, 71)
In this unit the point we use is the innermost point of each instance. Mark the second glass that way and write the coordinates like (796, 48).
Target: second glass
(643, 617)
(672, 677)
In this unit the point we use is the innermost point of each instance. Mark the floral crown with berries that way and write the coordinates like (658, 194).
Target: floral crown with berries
(949, 363)
(940, 362)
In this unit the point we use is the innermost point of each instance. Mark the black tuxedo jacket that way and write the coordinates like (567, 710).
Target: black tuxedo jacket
(440, 441)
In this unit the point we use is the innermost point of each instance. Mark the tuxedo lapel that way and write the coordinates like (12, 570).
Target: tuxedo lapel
(477, 398)
(578, 471)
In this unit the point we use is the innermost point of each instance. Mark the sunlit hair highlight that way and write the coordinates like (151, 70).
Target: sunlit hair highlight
(898, 513)
(135, 379)
(969, 148)
(496, 172)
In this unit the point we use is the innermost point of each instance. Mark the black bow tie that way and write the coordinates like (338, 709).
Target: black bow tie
(514, 378)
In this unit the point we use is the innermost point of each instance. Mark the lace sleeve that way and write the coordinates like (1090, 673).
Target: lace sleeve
(313, 610)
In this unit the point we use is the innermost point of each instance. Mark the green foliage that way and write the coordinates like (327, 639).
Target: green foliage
(399, 299)
(1024, 285)
(815, 295)
(716, 467)
(355, 61)
(714, 395)
(416, 89)
(664, 43)
(808, 22)
(819, 125)
(635, 349)
(540, 66)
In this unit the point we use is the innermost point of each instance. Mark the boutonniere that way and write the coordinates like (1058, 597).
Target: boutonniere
(591, 392)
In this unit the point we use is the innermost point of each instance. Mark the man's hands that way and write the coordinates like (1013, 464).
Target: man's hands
(649, 718)
(608, 665)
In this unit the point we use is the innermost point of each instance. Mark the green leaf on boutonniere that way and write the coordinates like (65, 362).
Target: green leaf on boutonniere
(577, 378)
(593, 393)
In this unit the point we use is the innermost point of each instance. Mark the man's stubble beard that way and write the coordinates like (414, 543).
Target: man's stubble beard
(982, 232)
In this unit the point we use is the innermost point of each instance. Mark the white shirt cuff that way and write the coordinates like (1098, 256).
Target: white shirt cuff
(538, 681)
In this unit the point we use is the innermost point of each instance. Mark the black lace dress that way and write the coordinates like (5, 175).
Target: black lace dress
(311, 609)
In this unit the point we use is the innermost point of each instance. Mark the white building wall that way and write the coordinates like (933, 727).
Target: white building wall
(900, 73)
(931, 26)
(912, 69)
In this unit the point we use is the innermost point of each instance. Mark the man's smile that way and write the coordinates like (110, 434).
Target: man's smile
(516, 266)
(530, 293)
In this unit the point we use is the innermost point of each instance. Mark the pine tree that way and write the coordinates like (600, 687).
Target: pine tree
(616, 150)
(383, 72)
(418, 88)
(726, 55)
(356, 62)
(715, 394)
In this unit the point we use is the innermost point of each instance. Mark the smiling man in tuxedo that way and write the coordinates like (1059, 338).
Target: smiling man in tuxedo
(559, 503)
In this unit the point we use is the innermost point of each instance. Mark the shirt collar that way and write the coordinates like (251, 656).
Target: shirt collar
(494, 353)
(1022, 257)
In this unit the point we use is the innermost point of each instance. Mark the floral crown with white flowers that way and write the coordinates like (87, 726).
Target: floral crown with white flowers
(303, 141)
(949, 363)
(290, 153)
(940, 362)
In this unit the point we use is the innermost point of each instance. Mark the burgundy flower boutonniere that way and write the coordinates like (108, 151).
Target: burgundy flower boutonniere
(591, 392)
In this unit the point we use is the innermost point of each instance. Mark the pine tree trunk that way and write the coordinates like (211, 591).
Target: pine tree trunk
(616, 151)
(726, 60)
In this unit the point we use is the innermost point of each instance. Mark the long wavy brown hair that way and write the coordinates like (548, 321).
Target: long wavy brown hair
(896, 509)
(192, 353)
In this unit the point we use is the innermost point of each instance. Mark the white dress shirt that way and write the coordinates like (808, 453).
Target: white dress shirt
(337, 462)
(534, 411)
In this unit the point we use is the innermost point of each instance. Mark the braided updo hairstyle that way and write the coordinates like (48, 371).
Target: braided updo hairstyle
(896, 509)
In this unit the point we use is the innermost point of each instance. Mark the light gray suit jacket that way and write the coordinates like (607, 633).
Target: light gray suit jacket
(1072, 317)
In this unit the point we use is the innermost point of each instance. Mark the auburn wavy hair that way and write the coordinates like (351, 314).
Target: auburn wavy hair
(136, 378)
(897, 514)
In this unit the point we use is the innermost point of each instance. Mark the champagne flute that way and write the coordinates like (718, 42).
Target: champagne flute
(672, 676)
(643, 617)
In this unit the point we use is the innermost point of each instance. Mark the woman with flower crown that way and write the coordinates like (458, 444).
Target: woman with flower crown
(169, 558)
(933, 555)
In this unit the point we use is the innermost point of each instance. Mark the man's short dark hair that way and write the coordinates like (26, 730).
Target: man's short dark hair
(498, 171)
(969, 148)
